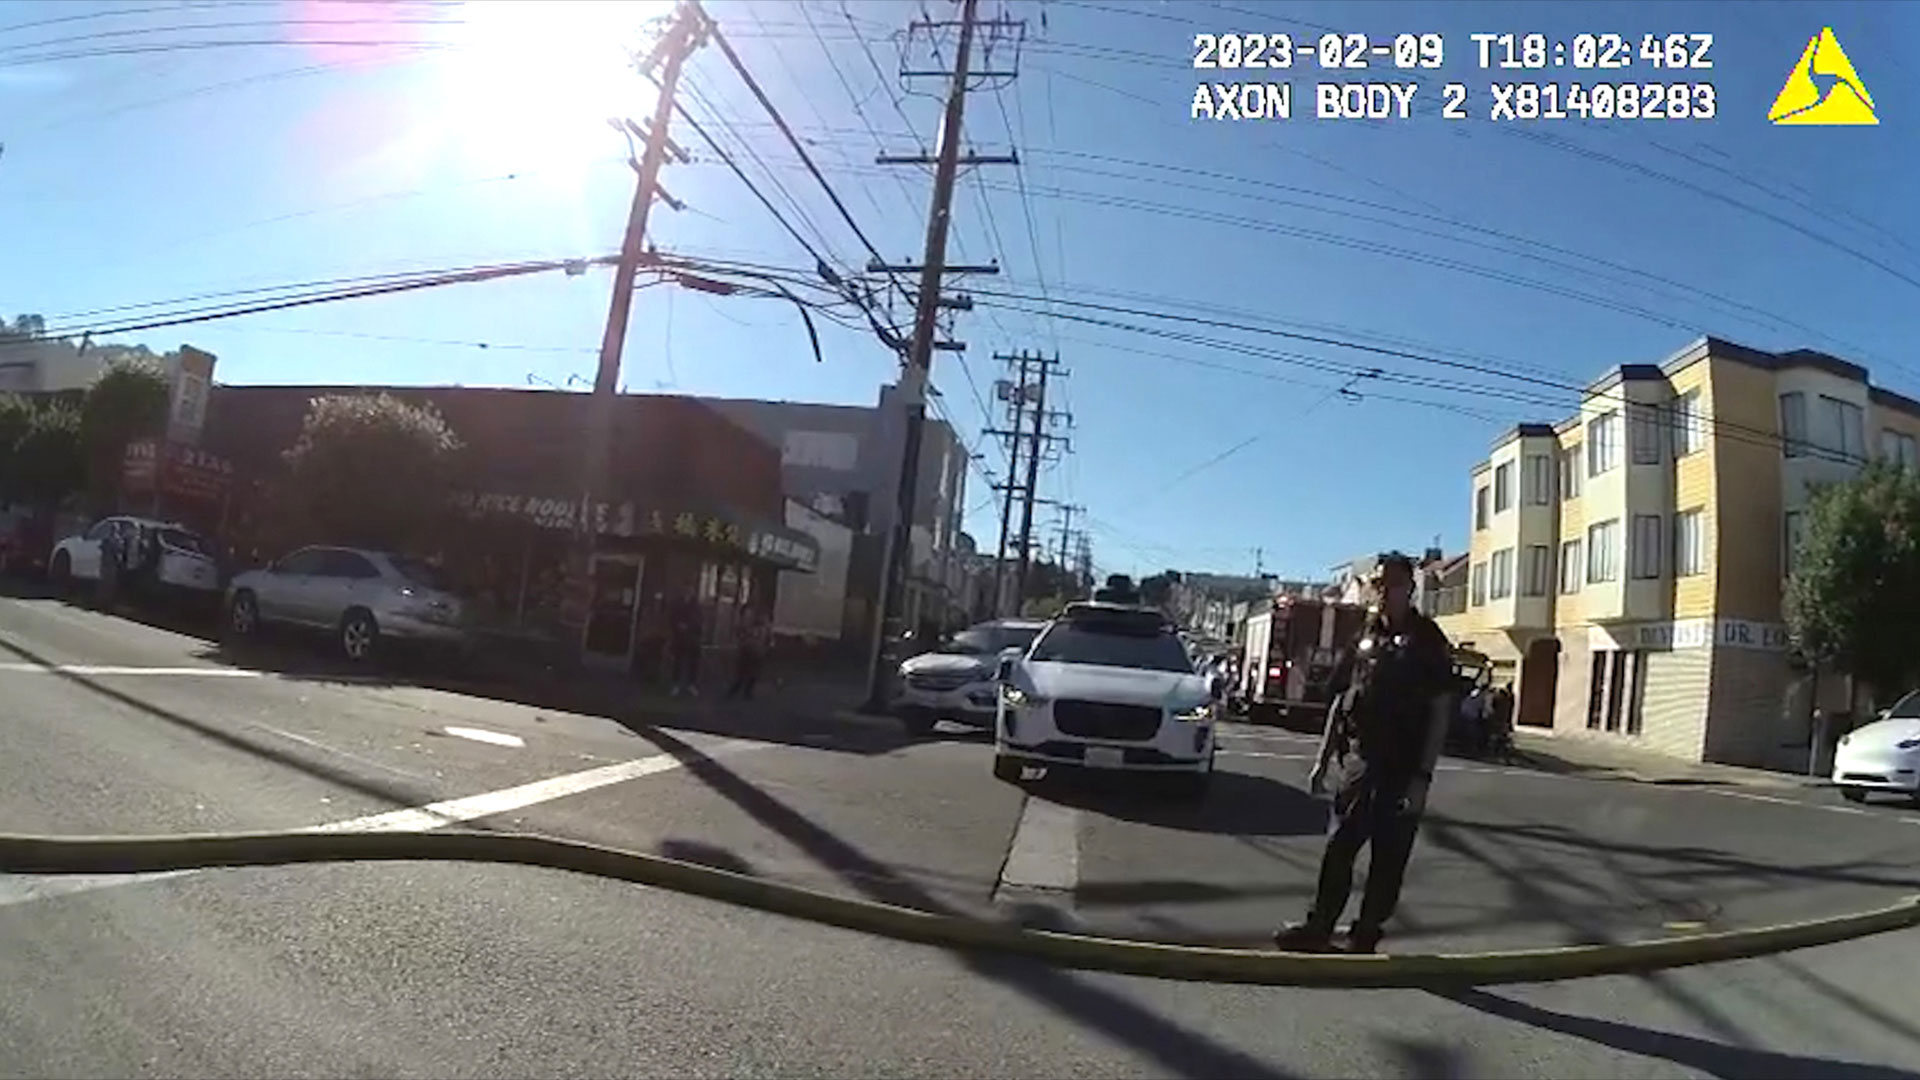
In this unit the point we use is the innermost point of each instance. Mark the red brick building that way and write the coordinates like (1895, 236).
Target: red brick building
(694, 503)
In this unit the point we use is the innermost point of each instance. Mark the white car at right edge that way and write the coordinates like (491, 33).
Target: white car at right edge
(1882, 756)
(1107, 687)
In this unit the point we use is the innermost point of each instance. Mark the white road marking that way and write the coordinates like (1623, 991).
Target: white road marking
(16, 667)
(1046, 848)
(496, 738)
(1828, 807)
(1268, 736)
(23, 888)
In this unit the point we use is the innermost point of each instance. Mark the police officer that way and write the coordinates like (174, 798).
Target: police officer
(1393, 700)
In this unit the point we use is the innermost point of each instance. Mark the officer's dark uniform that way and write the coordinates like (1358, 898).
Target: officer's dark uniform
(1384, 684)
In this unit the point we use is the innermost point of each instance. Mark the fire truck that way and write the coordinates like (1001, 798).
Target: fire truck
(1290, 653)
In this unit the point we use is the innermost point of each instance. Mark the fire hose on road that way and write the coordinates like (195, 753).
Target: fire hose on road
(161, 854)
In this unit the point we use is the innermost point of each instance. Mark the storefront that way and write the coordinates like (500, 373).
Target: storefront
(1698, 689)
(694, 507)
(726, 559)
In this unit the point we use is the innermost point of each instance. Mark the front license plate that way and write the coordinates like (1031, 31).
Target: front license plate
(1105, 757)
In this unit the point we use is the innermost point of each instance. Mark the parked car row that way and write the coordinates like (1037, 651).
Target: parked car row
(362, 598)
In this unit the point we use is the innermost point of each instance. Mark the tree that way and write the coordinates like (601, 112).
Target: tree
(1157, 590)
(127, 402)
(370, 470)
(1853, 601)
(16, 416)
(24, 326)
(48, 462)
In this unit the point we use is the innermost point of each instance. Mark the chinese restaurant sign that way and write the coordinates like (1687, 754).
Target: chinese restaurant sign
(623, 520)
(183, 471)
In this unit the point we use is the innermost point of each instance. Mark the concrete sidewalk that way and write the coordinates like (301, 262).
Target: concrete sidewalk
(1578, 756)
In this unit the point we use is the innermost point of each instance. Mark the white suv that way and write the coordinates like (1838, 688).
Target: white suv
(956, 680)
(187, 563)
(1110, 687)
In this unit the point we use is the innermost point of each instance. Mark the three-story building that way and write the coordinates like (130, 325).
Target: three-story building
(1627, 564)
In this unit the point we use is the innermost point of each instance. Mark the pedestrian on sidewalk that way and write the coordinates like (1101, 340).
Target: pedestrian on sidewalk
(684, 634)
(113, 564)
(753, 635)
(1393, 701)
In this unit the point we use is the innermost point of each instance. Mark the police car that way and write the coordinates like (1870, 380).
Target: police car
(1108, 687)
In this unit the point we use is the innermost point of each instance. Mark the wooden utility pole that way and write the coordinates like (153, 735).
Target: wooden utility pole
(682, 37)
(1017, 399)
(1066, 531)
(898, 555)
(1038, 440)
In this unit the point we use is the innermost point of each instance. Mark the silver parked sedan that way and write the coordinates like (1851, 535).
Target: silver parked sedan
(361, 596)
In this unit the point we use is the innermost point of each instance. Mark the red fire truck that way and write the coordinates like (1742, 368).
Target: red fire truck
(1290, 654)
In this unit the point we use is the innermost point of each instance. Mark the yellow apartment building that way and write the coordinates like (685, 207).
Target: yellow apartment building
(1626, 565)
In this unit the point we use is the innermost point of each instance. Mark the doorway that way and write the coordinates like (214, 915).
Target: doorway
(1539, 675)
(609, 633)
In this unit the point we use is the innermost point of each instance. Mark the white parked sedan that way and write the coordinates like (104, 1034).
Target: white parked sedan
(1883, 755)
(1108, 687)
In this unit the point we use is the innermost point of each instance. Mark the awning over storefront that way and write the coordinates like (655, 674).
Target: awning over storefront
(724, 527)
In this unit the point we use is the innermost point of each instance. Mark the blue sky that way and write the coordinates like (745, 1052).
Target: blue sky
(138, 170)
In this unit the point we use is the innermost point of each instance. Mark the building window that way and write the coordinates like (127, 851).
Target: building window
(1898, 449)
(1477, 583)
(1482, 503)
(1570, 567)
(1539, 479)
(1689, 544)
(1841, 432)
(1570, 472)
(1793, 424)
(1603, 552)
(1503, 488)
(1646, 546)
(1689, 429)
(1502, 573)
(1538, 576)
(1796, 534)
(1603, 443)
(1646, 433)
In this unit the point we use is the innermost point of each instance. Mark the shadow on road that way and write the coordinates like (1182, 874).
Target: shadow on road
(1704, 862)
(800, 715)
(1174, 1048)
(1236, 803)
(396, 794)
(1704, 1055)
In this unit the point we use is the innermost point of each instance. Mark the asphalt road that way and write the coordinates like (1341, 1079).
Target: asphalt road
(107, 725)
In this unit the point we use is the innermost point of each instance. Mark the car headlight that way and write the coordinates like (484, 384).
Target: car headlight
(1194, 715)
(1019, 698)
(1906, 744)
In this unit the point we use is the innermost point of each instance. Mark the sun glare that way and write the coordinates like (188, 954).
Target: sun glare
(536, 80)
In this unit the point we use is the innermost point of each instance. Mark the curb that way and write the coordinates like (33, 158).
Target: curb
(129, 855)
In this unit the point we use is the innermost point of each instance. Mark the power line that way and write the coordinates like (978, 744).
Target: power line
(746, 76)
(455, 277)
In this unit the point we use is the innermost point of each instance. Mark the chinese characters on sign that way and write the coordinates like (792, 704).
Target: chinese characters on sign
(183, 471)
(621, 520)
